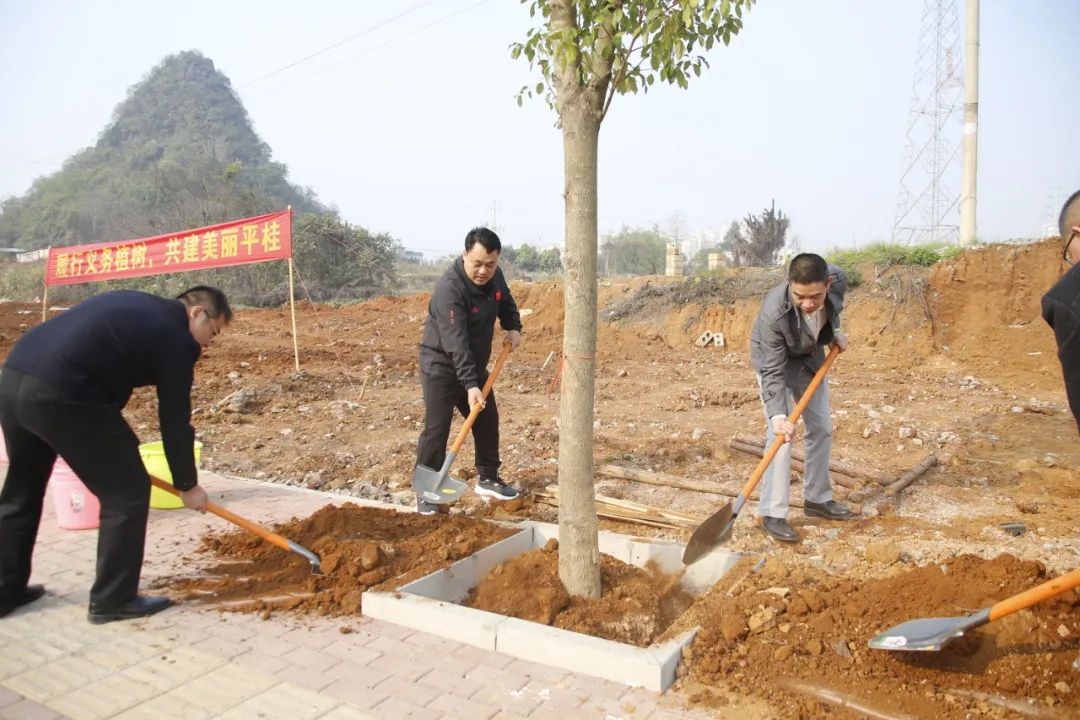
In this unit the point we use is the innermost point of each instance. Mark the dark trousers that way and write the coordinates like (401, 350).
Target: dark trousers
(38, 422)
(441, 395)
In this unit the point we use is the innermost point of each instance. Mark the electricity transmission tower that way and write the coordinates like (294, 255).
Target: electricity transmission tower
(928, 198)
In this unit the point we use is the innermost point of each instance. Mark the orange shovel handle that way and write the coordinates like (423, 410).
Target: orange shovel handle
(1036, 594)
(762, 466)
(270, 537)
(486, 390)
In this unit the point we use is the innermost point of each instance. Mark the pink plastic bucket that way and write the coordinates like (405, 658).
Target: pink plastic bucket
(76, 507)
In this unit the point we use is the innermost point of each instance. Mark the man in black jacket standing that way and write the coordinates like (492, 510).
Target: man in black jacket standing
(454, 353)
(1061, 306)
(62, 391)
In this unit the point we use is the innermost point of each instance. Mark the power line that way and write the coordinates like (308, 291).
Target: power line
(519, 209)
(381, 46)
(328, 48)
(39, 161)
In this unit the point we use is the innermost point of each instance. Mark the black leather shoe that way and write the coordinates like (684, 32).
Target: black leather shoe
(830, 510)
(780, 529)
(28, 595)
(141, 606)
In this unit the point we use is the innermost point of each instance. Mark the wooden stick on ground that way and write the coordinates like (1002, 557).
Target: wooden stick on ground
(363, 388)
(626, 511)
(895, 488)
(653, 478)
(836, 466)
(864, 493)
(267, 599)
(672, 516)
(798, 465)
(911, 475)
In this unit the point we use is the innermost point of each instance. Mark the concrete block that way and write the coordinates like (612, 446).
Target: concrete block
(453, 583)
(428, 604)
(454, 622)
(651, 668)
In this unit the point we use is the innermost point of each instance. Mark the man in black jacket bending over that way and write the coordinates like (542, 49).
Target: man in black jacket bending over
(62, 390)
(454, 353)
(1061, 306)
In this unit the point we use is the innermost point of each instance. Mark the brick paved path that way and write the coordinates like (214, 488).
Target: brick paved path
(189, 662)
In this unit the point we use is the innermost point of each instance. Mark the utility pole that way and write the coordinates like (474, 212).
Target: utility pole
(971, 124)
(494, 208)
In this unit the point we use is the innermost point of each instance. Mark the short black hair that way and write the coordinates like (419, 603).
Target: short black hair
(808, 268)
(212, 299)
(487, 238)
(1070, 215)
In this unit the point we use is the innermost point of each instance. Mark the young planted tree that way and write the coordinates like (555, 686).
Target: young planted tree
(589, 51)
(767, 234)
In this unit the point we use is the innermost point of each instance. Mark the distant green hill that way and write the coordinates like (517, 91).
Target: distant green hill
(179, 153)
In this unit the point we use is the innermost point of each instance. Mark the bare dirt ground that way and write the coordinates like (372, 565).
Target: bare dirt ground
(953, 361)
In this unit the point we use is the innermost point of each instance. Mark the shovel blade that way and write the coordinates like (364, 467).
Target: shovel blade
(715, 530)
(436, 486)
(315, 560)
(927, 634)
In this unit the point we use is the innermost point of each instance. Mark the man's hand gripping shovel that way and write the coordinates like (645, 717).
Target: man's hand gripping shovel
(436, 486)
(252, 527)
(716, 529)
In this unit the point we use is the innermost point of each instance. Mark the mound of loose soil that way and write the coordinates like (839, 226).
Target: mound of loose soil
(360, 548)
(768, 630)
(635, 605)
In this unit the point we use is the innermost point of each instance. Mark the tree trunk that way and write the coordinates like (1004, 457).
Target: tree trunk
(579, 554)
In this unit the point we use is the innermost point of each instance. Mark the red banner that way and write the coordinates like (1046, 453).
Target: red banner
(251, 240)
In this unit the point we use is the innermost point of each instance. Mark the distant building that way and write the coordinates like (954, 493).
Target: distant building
(11, 254)
(413, 256)
(25, 256)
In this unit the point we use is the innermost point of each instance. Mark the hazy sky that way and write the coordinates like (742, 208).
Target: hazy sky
(408, 123)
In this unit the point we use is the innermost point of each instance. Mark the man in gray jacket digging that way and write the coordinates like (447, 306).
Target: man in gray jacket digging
(797, 321)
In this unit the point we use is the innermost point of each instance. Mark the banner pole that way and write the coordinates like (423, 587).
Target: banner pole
(45, 295)
(292, 305)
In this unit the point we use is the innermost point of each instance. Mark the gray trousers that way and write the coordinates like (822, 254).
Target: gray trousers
(776, 483)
